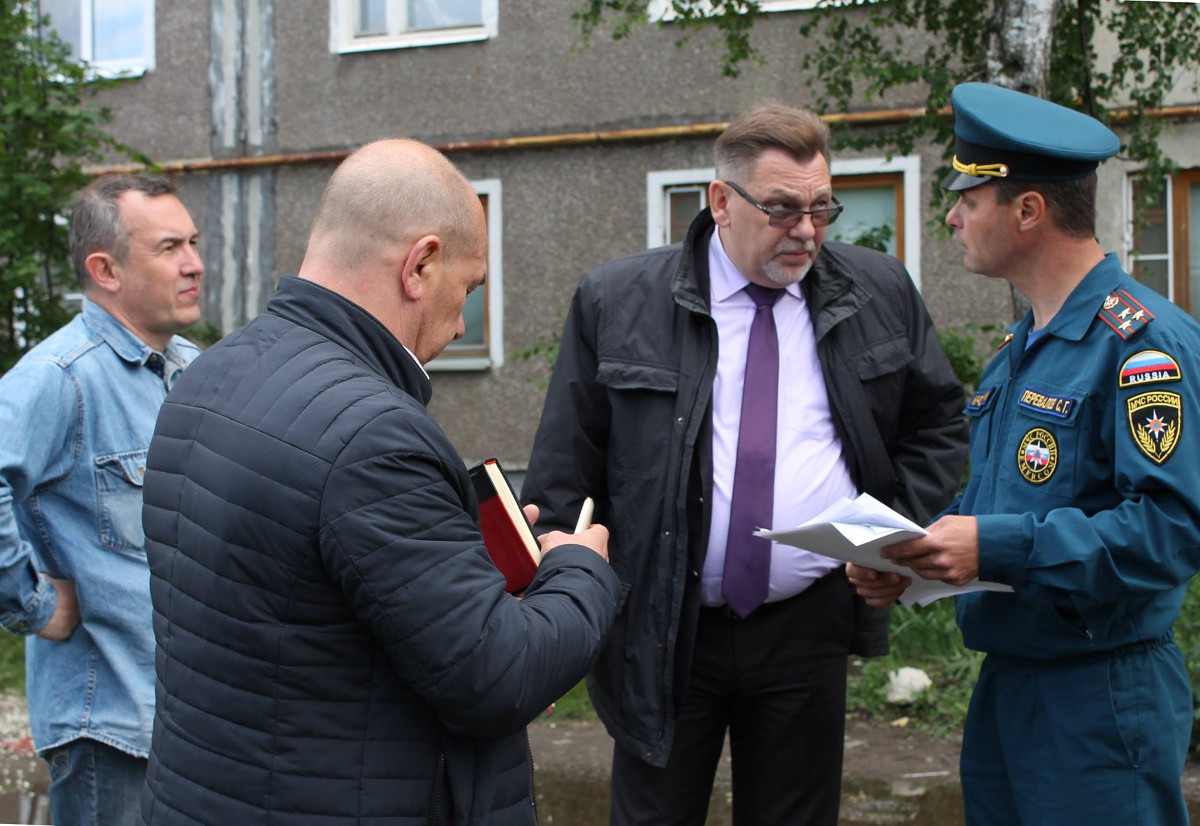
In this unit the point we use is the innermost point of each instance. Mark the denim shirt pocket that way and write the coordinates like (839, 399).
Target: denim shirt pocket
(119, 479)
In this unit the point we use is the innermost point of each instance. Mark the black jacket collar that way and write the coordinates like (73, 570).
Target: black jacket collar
(350, 326)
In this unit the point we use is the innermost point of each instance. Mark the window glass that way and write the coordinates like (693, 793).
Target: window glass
(1153, 273)
(118, 30)
(683, 205)
(372, 18)
(474, 318)
(444, 14)
(869, 216)
(1150, 230)
(64, 18)
(111, 36)
(369, 25)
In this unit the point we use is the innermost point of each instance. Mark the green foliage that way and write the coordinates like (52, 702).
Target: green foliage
(1187, 635)
(734, 19)
(925, 638)
(864, 51)
(964, 350)
(574, 705)
(12, 663)
(47, 133)
(876, 238)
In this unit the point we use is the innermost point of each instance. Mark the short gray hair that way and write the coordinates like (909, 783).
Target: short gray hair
(95, 224)
(769, 125)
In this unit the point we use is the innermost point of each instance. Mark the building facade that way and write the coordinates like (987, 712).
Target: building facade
(581, 152)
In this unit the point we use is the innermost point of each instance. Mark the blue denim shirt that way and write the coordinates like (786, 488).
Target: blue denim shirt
(76, 417)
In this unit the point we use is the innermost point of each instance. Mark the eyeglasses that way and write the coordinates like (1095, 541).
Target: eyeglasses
(788, 218)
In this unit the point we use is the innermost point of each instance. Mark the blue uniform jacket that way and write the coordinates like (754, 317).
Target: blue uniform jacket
(1085, 475)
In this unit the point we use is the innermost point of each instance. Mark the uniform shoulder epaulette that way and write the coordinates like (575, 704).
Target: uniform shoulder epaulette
(1124, 314)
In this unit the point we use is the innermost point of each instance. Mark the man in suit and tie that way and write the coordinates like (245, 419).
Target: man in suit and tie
(828, 381)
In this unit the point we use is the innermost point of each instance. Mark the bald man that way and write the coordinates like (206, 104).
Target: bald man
(333, 644)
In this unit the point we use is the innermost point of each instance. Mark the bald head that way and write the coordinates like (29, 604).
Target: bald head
(386, 195)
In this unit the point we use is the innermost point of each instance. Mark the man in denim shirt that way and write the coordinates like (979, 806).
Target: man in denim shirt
(76, 417)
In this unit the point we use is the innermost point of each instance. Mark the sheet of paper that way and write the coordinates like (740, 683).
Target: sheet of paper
(854, 530)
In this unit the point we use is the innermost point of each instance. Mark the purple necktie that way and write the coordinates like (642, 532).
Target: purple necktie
(748, 557)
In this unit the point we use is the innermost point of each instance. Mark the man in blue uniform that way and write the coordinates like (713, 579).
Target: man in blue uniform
(1084, 493)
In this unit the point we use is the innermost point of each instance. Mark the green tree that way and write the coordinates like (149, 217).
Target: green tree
(48, 132)
(863, 51)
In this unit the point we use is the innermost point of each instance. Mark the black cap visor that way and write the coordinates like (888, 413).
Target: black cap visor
(958, 181)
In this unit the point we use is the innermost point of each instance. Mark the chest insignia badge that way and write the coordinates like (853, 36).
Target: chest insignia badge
(1037, 457)
(980, 398)
(1155, 422)
(1124, 314)
(1147, 367)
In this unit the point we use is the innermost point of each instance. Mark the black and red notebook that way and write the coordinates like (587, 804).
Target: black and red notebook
(506, 532)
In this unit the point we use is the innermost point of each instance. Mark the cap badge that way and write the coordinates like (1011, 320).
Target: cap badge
(979, 170)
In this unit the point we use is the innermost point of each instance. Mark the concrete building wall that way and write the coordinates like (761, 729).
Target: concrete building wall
(242, 79)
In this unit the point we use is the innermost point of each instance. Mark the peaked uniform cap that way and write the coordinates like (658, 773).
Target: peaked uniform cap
(999, 133)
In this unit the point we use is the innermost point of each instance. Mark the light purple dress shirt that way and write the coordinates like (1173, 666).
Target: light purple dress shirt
(810, 473)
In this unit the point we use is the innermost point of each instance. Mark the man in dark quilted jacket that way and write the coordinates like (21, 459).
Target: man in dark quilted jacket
(333, 644)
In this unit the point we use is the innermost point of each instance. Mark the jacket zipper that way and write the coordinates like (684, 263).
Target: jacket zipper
(435, 817)
(532, 787)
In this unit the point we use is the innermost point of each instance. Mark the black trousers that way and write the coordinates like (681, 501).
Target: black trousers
(776, 681)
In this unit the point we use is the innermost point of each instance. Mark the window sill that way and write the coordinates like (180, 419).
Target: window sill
(459, 365)
(440, 37)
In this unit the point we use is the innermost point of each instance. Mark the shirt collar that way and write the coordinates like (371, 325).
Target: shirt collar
(725, 278)
(123, 342)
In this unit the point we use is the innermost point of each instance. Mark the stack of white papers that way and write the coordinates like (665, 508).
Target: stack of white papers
(854, 530)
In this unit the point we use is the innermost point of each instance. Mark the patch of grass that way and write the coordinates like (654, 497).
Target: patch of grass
(929, 639)
(575, 705)
(12, 663)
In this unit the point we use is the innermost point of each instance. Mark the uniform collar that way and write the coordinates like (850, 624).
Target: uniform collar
(1078, 312)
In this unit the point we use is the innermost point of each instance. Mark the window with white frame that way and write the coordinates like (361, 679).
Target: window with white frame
(1162, 238)
(881, 199)
(482, 346)
(661, 9)
(365, 25)
(113, 37)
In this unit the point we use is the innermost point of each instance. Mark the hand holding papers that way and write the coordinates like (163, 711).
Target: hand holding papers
(856, 530)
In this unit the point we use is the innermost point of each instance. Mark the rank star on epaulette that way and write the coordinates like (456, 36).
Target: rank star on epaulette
(1124, 314)
(1156, 423)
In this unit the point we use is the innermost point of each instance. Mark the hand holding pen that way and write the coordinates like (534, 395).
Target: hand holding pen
(586, 534)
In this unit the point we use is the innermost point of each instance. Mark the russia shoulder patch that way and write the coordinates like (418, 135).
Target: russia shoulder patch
(1124, 314)
(1147, 367)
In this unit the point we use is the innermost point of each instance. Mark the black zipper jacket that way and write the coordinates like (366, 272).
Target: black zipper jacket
(627, 421)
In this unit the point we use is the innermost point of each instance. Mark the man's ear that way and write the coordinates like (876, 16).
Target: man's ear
(718, 203)
(418, 265)
(1030, 210)
(102, 267)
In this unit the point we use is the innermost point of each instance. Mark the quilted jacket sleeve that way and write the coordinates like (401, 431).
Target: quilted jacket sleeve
(399, 537)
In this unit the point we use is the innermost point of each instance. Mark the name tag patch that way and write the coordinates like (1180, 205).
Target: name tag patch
(1037, 457)
(1147, 367)
(1060, 406)
(980, 398)
(1156, 422)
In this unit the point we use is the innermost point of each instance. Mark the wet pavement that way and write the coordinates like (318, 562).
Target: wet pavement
(907, 780)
